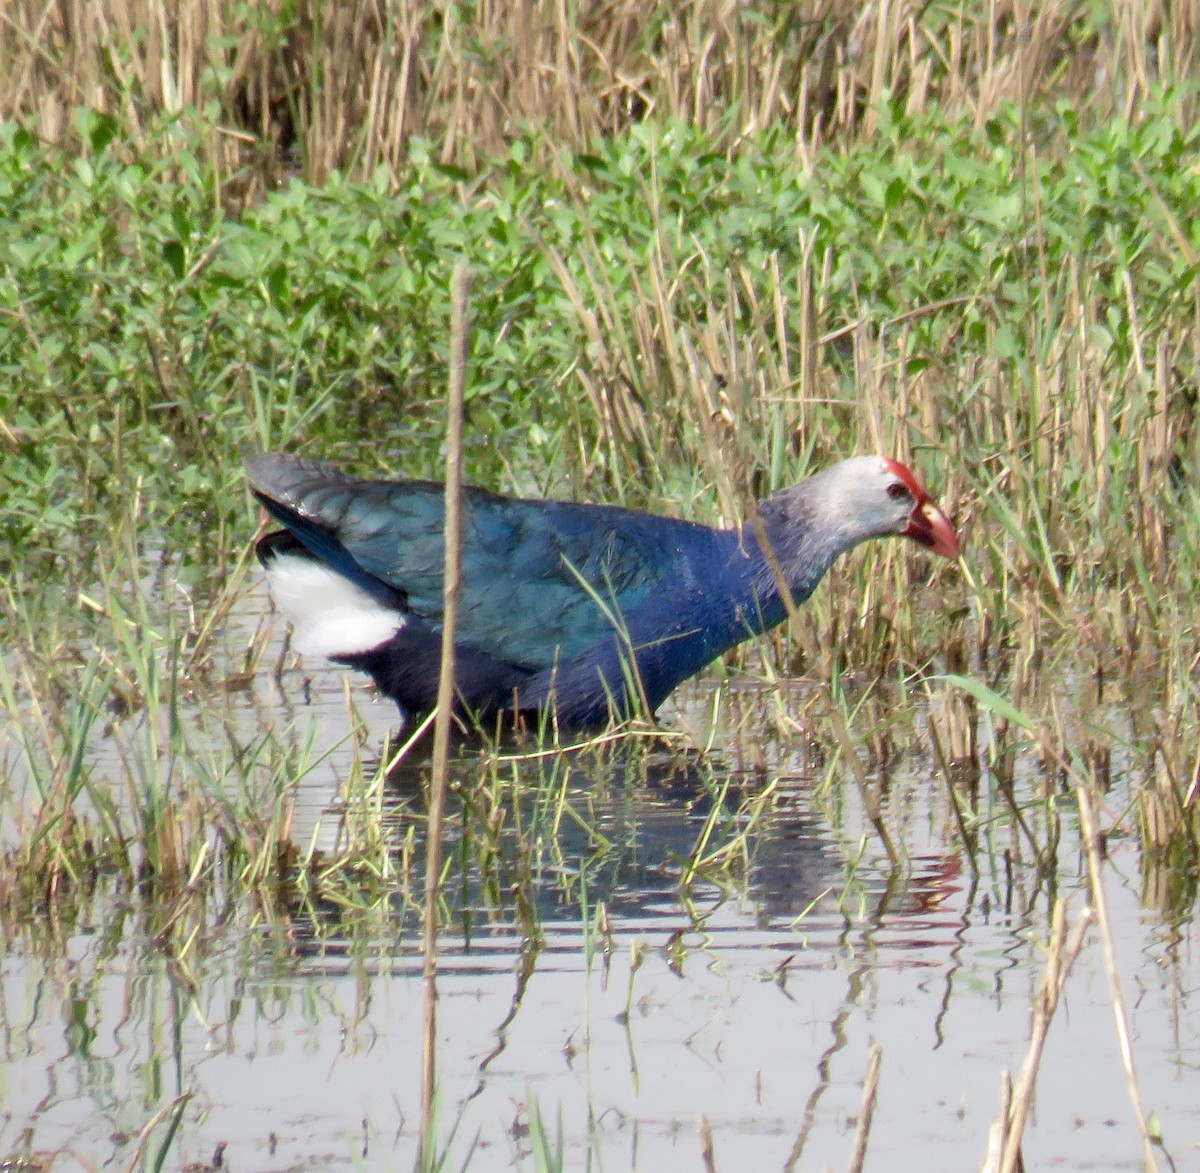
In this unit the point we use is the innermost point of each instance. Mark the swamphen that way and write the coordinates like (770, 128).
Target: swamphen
(584, 609)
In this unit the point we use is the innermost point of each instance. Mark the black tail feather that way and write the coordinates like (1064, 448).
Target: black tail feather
(408, 665)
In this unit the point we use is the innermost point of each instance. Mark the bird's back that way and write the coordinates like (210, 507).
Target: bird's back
(542, 581)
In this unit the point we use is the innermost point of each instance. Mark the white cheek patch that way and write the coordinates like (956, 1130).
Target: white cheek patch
(332, 616)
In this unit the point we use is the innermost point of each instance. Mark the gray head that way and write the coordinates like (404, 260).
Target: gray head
(832, 511)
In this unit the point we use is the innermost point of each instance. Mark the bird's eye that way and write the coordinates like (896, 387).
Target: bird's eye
(897, 490)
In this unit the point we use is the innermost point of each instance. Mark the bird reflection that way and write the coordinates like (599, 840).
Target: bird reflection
(638, 809)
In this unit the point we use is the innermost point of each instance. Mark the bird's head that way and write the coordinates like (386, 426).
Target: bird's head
(849, 502)
(912, 512)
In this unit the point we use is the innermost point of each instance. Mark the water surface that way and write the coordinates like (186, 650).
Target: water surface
(752, 1002)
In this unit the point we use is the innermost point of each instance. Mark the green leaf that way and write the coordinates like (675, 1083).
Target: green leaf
(992, 701)
(176, 257)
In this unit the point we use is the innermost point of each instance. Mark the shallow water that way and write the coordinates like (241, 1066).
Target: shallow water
(754, 1006)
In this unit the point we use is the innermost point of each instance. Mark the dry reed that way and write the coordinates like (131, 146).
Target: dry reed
(319, 85)
(439, 781)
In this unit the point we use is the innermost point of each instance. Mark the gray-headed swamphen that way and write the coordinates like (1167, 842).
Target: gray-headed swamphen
(586, 610)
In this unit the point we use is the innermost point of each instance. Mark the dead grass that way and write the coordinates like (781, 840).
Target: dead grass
(314, 86)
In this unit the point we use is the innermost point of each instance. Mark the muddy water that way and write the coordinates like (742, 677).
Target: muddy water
(754, 1007)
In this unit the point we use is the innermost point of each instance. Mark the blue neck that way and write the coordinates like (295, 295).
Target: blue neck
(741, 600)
(727, 594)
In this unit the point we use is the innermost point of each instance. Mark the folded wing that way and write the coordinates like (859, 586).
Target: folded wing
(542, 580)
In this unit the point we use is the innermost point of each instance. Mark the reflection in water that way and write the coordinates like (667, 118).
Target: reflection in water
(586, 965)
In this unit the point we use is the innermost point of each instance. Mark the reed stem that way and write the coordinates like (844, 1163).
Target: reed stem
(460, 289)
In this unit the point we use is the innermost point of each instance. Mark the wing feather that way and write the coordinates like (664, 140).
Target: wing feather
(542, 580)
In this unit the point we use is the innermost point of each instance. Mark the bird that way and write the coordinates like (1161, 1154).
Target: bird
(587, 612)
